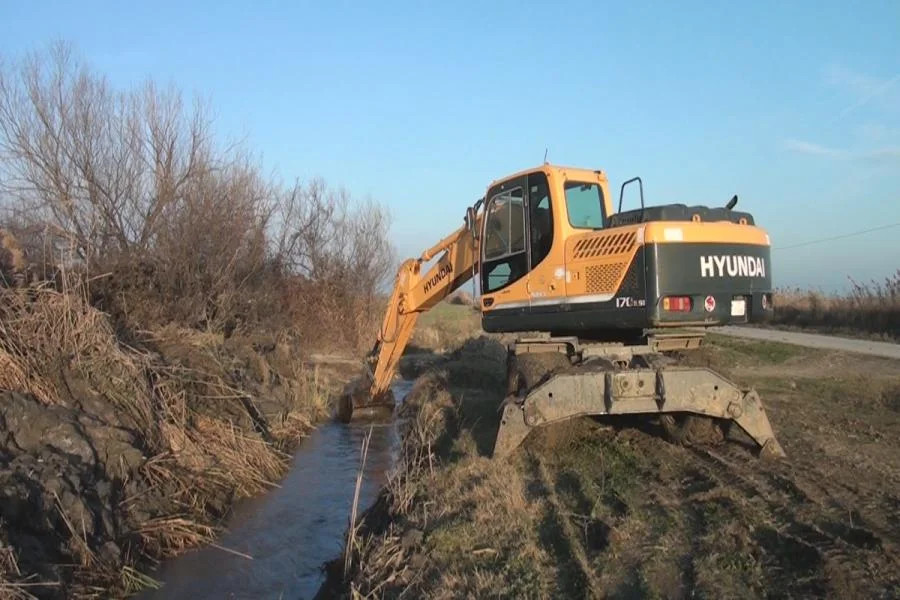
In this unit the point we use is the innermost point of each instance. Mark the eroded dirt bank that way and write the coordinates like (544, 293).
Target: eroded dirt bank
(113, 456)
(586, 509)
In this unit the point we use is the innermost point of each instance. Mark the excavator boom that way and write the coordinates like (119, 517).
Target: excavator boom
(413, 294)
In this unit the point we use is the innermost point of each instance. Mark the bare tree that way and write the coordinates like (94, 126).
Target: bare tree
(131, 182)
(98, 167)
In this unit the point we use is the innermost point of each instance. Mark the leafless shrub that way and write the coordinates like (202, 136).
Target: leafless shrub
(130, 188)
(339, 251)
(98, 167)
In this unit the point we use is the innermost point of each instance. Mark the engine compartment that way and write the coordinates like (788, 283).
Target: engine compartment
(679, 212)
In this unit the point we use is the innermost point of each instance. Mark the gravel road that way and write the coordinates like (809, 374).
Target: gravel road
(812, 340)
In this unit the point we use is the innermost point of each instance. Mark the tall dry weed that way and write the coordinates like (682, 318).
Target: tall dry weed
(45, 333)
(871, 308)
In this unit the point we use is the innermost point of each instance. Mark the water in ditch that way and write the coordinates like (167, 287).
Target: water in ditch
(292, 530)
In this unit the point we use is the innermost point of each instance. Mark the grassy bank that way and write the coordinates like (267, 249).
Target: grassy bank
(115, 455)
(871, 310)
(599, 509)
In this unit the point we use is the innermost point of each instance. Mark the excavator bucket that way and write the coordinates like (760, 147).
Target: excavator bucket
(356, 401)
(691, 402)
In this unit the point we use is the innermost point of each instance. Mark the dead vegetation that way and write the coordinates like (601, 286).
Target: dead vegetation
(158, 297)
(871, 309)
(140, 452)
(129, 189)
(597, 509)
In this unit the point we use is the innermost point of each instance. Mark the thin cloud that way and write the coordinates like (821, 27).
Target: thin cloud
(856, 83)
(886, 155)
(865, 87)
(875, 156)
(804, 147)
(876, 133)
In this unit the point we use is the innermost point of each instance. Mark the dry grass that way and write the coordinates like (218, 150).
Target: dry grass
(446, 326)
(39, 331)
(246, 464)
(443, 527)
(169, 536)
(872, 309)
(601, 509)
(193, 398)
(353, 528)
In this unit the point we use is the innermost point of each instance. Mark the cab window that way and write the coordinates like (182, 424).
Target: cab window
(540, 217)
(584, 205)
(504, 240)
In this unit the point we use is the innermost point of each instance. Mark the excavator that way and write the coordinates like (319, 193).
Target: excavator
(602, 302)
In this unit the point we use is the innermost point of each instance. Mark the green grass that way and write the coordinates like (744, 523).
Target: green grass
(770, 353)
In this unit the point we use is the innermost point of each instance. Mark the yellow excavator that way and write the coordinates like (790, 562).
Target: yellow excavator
(601, 299)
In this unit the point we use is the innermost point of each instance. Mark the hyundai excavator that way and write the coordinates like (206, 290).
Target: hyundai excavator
(602, 302)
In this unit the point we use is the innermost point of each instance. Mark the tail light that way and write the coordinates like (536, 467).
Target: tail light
(677, 303)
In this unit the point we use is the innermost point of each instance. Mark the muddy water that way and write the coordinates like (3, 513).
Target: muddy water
(291, 531)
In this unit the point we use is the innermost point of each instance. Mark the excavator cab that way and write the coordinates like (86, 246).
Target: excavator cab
(570, 266)
(609, 295)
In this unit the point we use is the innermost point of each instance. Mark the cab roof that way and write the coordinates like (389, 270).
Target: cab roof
(548, 168)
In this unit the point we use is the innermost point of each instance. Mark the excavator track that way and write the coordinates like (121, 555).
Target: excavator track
(553, 379)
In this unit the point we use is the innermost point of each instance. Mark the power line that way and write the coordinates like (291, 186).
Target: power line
(837, 237)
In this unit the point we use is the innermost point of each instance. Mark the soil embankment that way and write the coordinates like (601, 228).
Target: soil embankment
(113, 456)
(611, 509)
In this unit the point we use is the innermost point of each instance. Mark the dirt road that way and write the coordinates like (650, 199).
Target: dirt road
(814, 340)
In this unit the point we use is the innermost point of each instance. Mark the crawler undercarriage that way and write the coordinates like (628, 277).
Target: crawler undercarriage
(552, 379)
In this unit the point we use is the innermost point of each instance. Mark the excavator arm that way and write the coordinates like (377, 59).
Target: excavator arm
(413, 294)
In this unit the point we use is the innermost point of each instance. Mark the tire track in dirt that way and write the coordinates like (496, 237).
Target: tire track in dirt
(631, 529)
(576, 578)
(814, 550)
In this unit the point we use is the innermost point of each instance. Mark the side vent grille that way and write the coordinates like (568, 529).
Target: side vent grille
(605, 244)
(603, 278)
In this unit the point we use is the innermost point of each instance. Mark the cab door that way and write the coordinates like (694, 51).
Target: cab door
(545, 283)
(504, 247)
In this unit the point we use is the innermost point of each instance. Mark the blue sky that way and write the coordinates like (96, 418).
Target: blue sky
(794, 108)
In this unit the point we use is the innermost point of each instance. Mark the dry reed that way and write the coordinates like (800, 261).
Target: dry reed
(169, 536)
(350, 545)
(872, 308)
